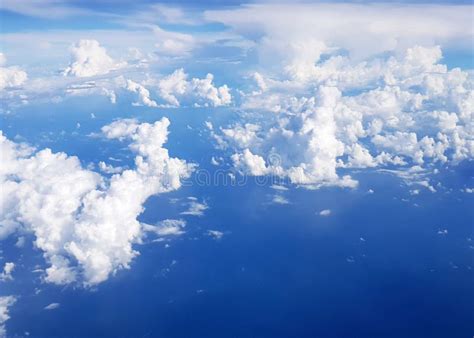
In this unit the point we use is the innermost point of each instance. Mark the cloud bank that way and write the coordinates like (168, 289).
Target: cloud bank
(388, 112)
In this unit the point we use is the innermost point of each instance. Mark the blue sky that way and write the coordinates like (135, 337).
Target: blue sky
(264, 169)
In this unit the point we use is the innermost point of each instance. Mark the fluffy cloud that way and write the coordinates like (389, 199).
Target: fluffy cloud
(85, 224)
(90, 59)
(176, 87)
(7, 271)
(143, 94)
(10, 77)
(390, 111)
(250, 163)
(108, 169)
(5, 303)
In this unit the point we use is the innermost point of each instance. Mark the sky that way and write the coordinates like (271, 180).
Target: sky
(236, 169)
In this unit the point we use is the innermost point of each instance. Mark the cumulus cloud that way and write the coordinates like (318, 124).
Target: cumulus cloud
(5, 303)
(89, 58)
(85, 224)
(143, 94)
(10, 77)
(388, 112)
(6, 274)
(176, 87)
(250, 163)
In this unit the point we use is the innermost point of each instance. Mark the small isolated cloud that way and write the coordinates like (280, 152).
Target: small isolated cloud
(279, 199)
(7, 271)
(443, 232)
(279, 187)
(215, 234)
(325, 212)
(52, 306)
(195, 208)
(167, 227)
(20, 242)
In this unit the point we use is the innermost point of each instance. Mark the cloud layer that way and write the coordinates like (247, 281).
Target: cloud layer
(390, 112)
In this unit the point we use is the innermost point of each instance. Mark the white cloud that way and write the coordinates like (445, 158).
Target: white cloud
(7, 271)
(279, 199)
(52, 306)
(216, 234)
(278, 187)
(5, 303)
(413, 176)
(195, 208)
(90, 59)
(108, 169)
(167, 227)
(242, 136)
(325, 212)
(406, 111)
(85, 224)
(382, 96)
(172, 43)
(20, 243)
(250, 163)
(143, 94)
(363, 30)
(176, 87)
(10, 77)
